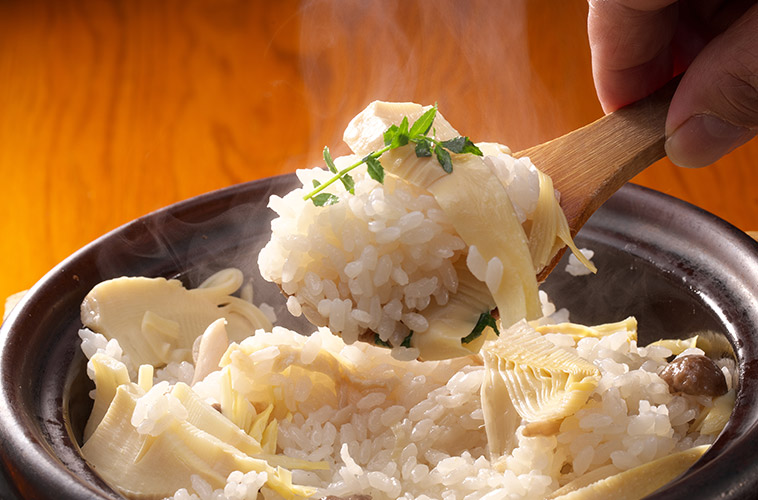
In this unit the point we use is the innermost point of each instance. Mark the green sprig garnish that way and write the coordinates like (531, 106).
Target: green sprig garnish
(485, 319)
(394, 137)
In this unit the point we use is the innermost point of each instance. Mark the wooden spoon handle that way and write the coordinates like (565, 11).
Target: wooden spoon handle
(588, 165)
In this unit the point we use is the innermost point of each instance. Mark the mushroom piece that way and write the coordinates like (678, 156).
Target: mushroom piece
(696, 375)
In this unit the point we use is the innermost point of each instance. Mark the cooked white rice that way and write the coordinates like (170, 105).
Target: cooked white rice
(399, 428)
(414, 429)
(576, 268)
(378, 258)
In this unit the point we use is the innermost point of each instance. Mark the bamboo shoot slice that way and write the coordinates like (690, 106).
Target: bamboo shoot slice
(545, 382)
(577, 331)
(156, 321)
(501, 419)
(109, 375)
(638, 482)
(449, 323)
(142, 466)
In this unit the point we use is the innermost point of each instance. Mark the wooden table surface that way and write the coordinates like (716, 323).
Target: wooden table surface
(112, 109)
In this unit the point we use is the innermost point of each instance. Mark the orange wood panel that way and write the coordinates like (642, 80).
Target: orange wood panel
(112, 109)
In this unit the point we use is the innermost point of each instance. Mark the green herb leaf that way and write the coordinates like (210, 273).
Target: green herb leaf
(323, 199)
(423, 147)
(485, 319)
(374, 168)
(462, 145)
(400, 136)
(424, 123)
(329, 162)
(407, 340)
(348, 182)
(444, 158)
(390, 134)
(471, 148)
(381, 343)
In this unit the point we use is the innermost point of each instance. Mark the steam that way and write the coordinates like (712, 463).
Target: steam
(196, 238)
(475, 66)
(471, 57)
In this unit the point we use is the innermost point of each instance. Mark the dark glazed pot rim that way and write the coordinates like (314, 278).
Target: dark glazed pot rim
(710, 263)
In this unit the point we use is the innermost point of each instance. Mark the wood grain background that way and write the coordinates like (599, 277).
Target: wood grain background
(112, 109)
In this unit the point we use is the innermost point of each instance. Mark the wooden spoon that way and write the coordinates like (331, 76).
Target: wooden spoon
(588, 165)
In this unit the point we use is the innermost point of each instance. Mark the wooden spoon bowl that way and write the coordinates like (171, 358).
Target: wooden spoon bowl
(589, 164)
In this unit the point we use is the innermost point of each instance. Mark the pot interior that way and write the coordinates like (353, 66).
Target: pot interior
(677, 269)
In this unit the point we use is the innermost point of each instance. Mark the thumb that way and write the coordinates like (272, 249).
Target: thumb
(715, 108)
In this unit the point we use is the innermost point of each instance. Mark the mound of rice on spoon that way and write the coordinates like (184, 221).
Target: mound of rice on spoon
(417, 248)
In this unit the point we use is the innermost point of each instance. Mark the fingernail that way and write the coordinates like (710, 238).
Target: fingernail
(703, 139)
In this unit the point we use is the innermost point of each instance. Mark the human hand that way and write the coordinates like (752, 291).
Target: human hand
(638, 45)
